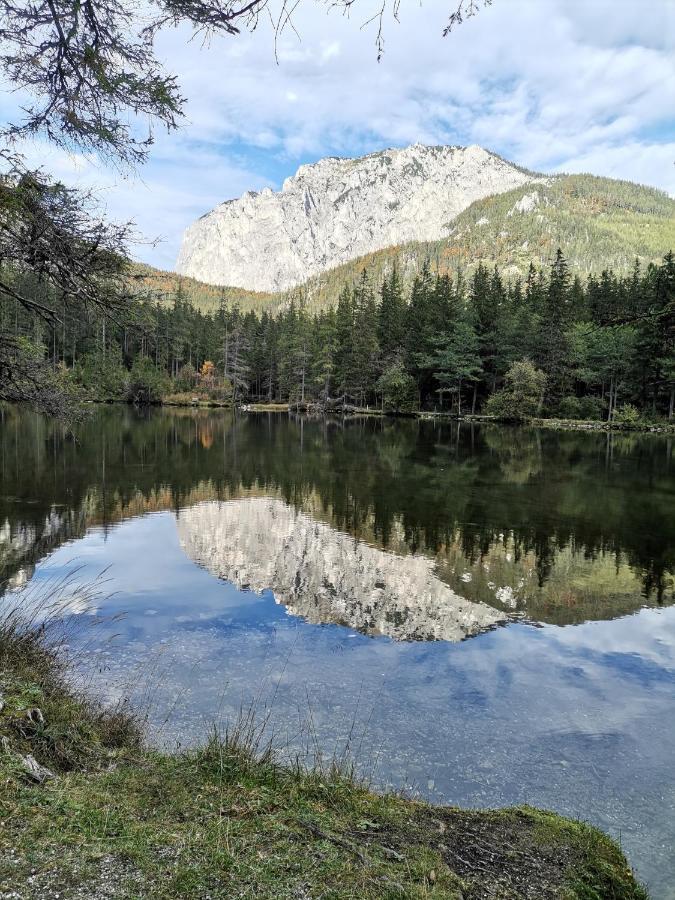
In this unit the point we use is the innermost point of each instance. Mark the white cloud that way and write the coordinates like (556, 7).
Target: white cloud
(329, 51)
(553, 85)
(633, 160)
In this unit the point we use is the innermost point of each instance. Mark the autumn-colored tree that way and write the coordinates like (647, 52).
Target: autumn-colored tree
(207, 371)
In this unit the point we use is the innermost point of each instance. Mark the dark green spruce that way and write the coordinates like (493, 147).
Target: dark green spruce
(551, 346)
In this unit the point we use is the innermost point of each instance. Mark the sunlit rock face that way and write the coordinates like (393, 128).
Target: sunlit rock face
(324, 575)
(338, 209)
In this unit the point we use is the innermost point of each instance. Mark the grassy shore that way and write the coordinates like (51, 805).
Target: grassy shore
(114, 818)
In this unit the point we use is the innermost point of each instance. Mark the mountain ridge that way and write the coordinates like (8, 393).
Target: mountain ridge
(337, 209)
(598, 222)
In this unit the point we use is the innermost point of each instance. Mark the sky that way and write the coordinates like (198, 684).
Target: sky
(553, 85)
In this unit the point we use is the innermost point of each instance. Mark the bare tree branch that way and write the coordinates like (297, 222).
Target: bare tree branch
(27, 377)
(466, 9)
(91, 68)
(51, 241)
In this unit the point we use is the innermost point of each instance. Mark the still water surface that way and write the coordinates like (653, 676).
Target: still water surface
(480, 615)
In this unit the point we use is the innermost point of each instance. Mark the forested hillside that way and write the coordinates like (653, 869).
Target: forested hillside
(602, 223)
(162, 287)
(549, 344)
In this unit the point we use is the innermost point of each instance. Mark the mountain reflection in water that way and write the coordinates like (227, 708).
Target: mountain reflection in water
(326, 576)
(558, 527)
(426, 530)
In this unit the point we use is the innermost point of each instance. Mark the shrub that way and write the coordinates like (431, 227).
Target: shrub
(591, 408)
(398, 389)
(221, 391)
(186, 378)
(103, 376)
(146, 383)
(522, 394)
(570, 408)
(626, 415)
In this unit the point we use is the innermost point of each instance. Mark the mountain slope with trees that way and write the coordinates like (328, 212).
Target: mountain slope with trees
(601, 223)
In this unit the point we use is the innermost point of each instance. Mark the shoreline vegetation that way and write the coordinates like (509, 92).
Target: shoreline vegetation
(90, 811)
(347, 410)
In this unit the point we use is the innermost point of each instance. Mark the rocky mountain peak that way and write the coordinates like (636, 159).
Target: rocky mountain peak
(336, 209)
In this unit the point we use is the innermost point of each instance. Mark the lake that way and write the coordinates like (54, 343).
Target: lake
(479, 615)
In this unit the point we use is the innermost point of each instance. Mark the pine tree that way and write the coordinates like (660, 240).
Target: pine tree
(456, 363)
(323, 354)
(419, 313)
(391, 318)
(235, 347)
(365, 347)
(656, 336)
(179, 330)
(424, 317)
(554, 352)
(344, 332)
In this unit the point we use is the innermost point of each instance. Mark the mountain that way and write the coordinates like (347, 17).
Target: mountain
(337, 209)
(598, 222)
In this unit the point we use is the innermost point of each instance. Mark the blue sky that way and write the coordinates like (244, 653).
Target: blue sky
(555, 85)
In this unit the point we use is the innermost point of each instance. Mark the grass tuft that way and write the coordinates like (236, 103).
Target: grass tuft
(43, 712)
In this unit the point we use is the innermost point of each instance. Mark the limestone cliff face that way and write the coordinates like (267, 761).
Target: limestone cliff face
(324, 575)
(338, 209)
